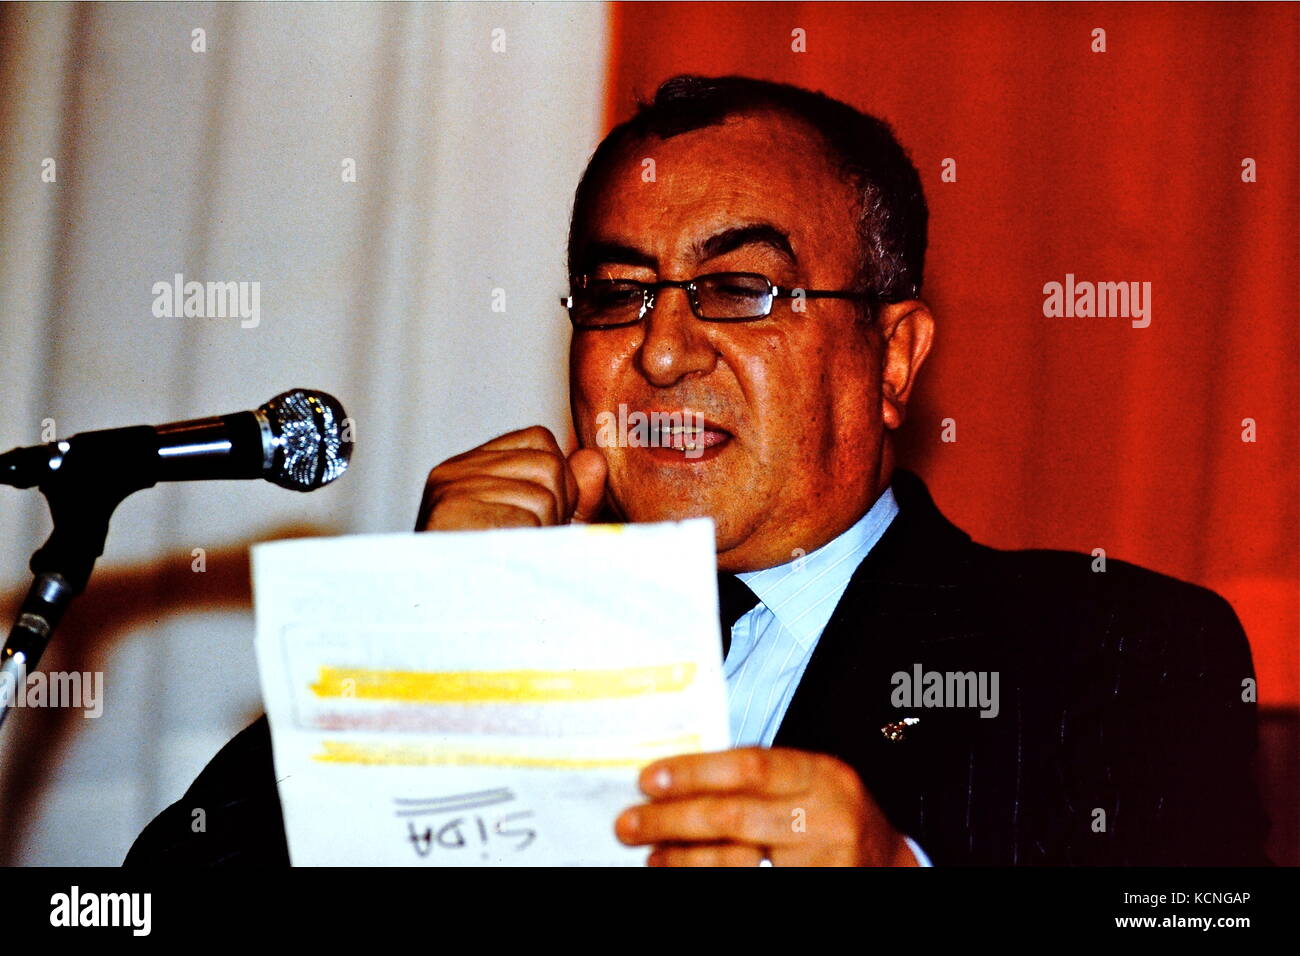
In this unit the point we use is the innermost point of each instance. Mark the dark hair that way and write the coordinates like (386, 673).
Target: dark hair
(892, 221)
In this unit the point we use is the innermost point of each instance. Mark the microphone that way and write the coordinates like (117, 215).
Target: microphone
(300, 440)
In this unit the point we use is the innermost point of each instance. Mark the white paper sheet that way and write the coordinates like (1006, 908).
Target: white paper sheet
(483, 698)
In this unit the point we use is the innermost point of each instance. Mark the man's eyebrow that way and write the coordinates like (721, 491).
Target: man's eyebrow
(759, 233)
(603, 251)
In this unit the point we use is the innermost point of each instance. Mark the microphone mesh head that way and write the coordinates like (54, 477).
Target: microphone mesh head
(311, 437)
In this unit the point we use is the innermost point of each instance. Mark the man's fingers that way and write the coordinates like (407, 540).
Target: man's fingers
(474, 498)
(705, 854)
(776, 771)
(538, 438)
(486, 515)
(539, 467)
(524, 470)
(721, 819)
(588, 469)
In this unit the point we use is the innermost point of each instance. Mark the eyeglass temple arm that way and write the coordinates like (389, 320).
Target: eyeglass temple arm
(780, 293)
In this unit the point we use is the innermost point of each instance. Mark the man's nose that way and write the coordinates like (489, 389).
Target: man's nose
(676, 343)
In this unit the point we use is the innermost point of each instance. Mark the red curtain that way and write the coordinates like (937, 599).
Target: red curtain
(1116, 166)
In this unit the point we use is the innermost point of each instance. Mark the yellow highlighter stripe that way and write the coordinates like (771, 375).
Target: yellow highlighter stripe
(417, 756)
(493, 687)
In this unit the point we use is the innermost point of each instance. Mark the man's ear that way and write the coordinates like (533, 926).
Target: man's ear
(907, 332)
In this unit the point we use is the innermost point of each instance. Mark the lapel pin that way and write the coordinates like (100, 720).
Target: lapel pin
(897, 730)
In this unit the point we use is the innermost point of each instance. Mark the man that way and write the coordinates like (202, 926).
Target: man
(748, 257)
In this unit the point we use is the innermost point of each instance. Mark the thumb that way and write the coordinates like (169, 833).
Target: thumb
(588, 466)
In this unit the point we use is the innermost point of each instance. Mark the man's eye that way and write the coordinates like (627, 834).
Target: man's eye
(739, 289)
(611, 297)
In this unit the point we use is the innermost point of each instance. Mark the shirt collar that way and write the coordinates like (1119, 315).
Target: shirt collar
(802, 593)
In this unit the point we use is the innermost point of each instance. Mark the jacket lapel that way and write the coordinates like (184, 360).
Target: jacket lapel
(910, 603)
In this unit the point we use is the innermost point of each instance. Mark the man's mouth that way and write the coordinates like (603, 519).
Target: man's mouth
(679, 435)
(686, 437)
(689, 437)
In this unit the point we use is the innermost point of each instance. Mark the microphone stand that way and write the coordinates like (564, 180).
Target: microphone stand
(81, 504)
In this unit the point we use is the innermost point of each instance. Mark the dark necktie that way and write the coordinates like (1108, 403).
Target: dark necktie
(735, 600)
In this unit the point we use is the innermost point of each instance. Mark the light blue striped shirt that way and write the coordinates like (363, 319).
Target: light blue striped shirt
(772, 644)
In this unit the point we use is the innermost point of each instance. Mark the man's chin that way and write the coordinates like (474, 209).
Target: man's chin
(730, 528)
(661, 512)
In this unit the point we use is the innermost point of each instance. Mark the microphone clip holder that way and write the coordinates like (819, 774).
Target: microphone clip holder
(82, 499)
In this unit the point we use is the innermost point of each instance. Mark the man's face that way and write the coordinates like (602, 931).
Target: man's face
(792, 401)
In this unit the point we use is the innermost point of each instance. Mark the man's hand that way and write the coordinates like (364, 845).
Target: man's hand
(735, 807)
(520, 480)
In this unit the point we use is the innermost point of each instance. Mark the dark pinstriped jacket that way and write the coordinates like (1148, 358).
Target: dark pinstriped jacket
(1121, 736)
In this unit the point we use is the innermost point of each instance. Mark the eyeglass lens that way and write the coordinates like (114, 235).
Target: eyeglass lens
(721, 296)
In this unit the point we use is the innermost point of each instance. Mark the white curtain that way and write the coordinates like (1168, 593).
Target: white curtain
(468, 124)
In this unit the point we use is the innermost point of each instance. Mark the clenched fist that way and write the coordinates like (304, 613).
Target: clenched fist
(520, 480)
